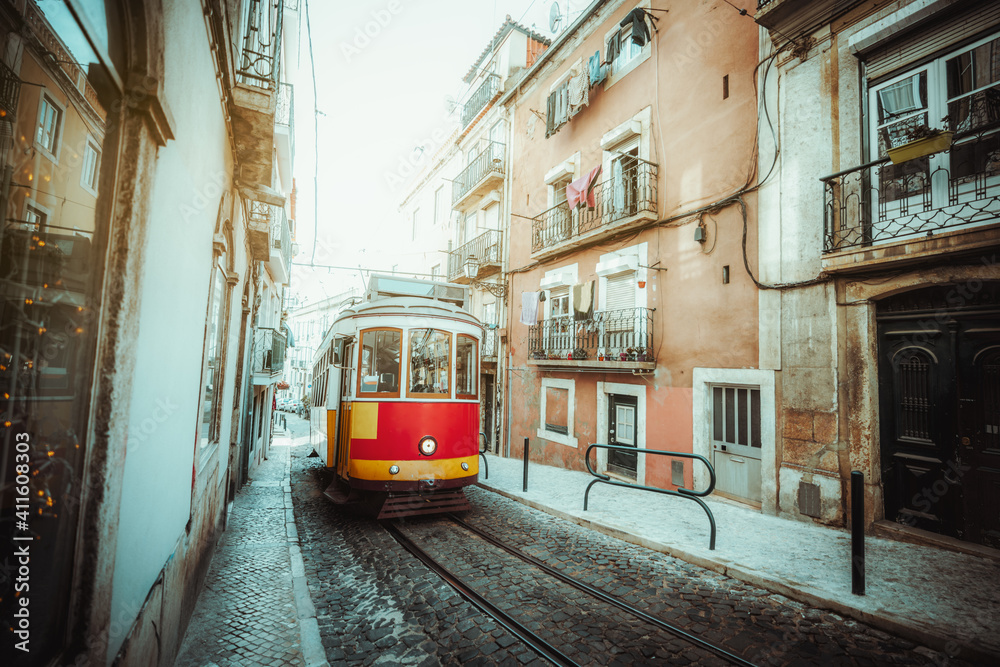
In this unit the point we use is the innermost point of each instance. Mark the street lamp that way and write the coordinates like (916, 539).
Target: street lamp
(471, 267)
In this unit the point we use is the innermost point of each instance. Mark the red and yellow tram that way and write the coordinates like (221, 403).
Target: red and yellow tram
(395, 402)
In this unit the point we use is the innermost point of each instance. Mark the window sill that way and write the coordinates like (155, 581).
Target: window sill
(615, 77)
(54, 157)
(567, 439)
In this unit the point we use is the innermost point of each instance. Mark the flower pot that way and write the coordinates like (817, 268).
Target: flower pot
(642, 284)
(921, 147)
(622, 356)
(600, 357)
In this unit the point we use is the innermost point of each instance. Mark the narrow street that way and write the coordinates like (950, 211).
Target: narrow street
(375, 604)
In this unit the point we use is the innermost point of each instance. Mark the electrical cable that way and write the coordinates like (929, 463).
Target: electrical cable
(312, 69)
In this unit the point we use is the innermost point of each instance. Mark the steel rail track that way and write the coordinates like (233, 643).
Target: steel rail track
(605, 597)
(536, 643)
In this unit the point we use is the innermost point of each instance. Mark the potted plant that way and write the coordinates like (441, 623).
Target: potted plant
(921, 141)
(579, 353)
(631, 354)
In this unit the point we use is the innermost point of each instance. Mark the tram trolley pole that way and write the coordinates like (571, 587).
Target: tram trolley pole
(858, 532)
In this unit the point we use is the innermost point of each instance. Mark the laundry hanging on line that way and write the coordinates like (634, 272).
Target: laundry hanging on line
(529, 308)
(583, 189)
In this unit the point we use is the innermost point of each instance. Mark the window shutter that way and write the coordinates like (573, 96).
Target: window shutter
(921, 43)
(620, 291)
(550, 114)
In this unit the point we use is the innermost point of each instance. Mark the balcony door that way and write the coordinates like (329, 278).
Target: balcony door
(618, 318)
(625, 180)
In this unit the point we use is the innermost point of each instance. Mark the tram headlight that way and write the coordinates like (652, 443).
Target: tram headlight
(465, 466)
(427, 445)
(394, 470)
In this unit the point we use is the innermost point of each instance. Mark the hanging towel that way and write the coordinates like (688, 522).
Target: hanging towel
(582, 189)
(583, 301)
(529, 308)
(614, 44)
(579, 93)
(595, 70)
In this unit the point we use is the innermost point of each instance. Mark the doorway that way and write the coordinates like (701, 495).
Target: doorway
(939, 410)
(736, 442)
(622, 415)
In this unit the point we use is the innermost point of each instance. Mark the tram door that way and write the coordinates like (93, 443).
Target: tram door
(344, 407)
(332, 408)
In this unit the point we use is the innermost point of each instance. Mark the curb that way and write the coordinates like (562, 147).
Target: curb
(903, 627)
(312, 645)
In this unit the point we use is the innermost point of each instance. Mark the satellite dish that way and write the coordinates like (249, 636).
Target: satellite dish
(555, 17)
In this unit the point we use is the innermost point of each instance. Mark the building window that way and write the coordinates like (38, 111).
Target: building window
(956, 92)
(628, 50)
(559, 301)
(416, 214)
(435, 272)
(49, 125)
(35, 218)
(440, 209)
(91, 166)
(208, 425)
(558, 402)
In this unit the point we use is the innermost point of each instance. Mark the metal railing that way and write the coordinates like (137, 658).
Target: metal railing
(484, 249)
(618, 198)
(610, 335)
(879, 201)
(281, 238)
(284, 113)
(681, 492)
(10, 90)
(269, 351)
(261, 44)
(489, 161)
(763, 3)
(490, 339)
(479, 99)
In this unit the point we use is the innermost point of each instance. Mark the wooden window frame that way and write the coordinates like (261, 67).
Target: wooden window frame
(409, 369)
(475, 376)
(378, 394)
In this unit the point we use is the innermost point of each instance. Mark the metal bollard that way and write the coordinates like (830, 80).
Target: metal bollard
(525, 465)
(858, 533)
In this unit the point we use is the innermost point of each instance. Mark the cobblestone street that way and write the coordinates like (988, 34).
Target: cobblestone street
(375, 604)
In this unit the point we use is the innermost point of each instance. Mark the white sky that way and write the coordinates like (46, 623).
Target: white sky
(381, 99)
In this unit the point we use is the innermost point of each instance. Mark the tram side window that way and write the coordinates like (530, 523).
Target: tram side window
(466, 367)
(380, 361)
(430, 362)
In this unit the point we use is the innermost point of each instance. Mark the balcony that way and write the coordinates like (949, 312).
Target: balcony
(946, 204)
(483, 173)
(491, 346)
(10, 90)
(254, 95)
(279, 261)
(268, 355)
(284, 127)
(479, 258)
(613, 340)
(479, 99)
(260, 216)
(621, 203)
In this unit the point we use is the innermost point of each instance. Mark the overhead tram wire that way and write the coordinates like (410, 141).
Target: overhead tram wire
(316, 112)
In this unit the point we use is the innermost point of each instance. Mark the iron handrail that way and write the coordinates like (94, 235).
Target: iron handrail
(482, 453)
(681, 492)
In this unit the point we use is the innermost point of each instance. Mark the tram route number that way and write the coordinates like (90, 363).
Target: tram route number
(21, 625)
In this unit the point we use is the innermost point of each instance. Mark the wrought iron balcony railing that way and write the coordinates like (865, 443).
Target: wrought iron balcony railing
(269, 351)
(611, 335)
(490, 344)
(879, 202)
(490, 161)
(479, 99)
(763, 3)
(284, 113)
(281, 237)
(618, 198)
(482, 250)
(10, 90)
(258, 63)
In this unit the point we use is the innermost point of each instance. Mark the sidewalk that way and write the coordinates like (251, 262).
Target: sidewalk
(255, 607)
(948, 601)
